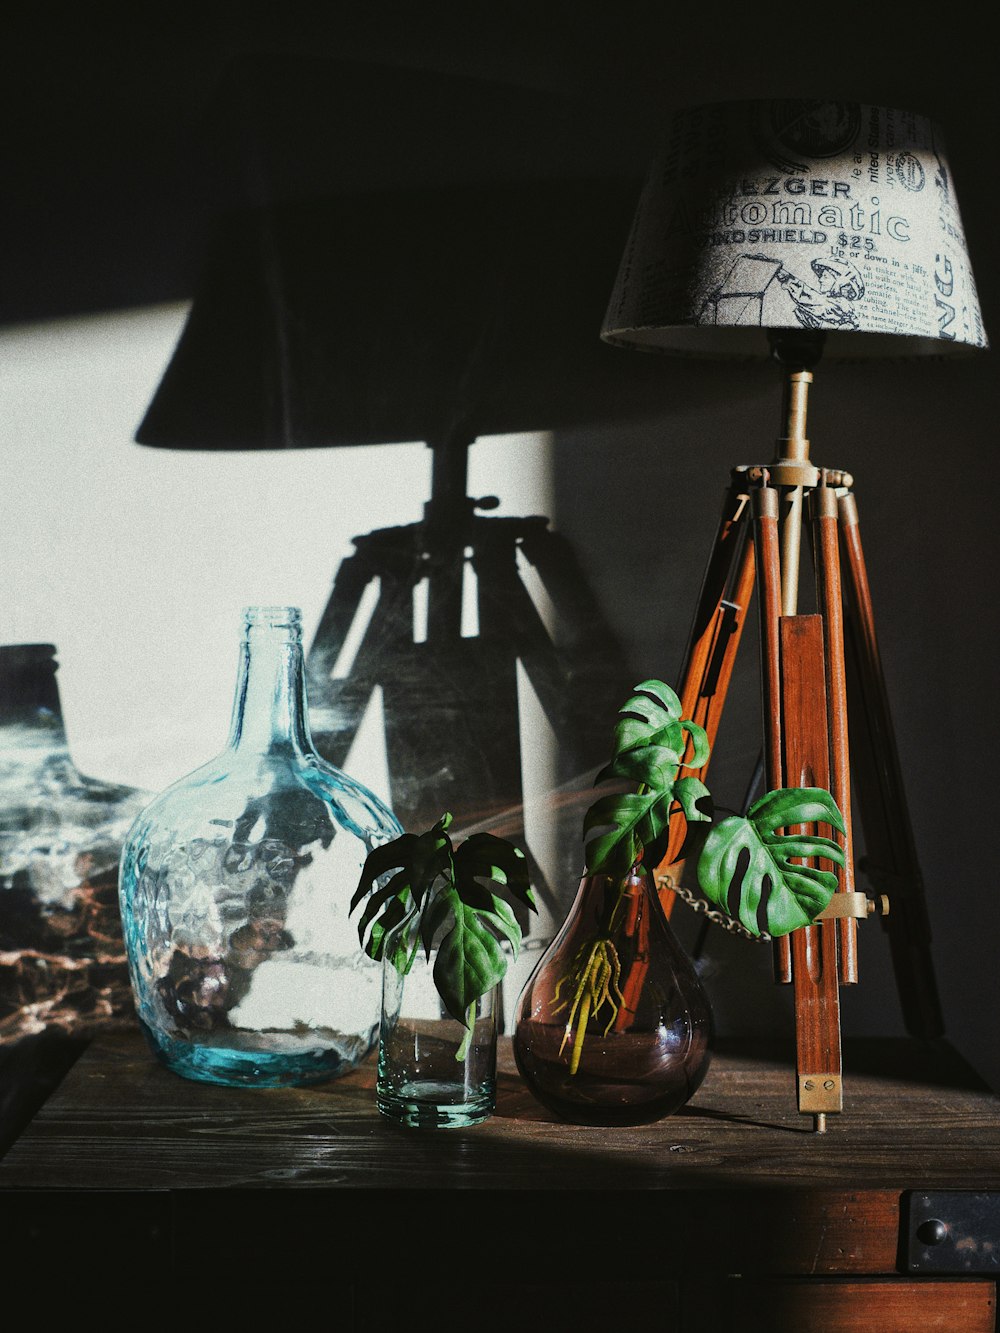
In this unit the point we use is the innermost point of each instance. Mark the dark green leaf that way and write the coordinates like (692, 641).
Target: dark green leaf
(655, 692)
(469, 963)
(795, 805)
(687, 793)
(653, 765)
(651, 740)
(484, 856)
(505, 923)
(474, 894)
(436, 914)
(810, 844)
(388, 856)
(700, 748)
(393, 902)
(458, 899)
(418, 862)
(631, 732)
(798, 893)
(404, 942)
(615, 848)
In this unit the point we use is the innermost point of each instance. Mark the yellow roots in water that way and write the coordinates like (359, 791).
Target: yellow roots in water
(594, 978)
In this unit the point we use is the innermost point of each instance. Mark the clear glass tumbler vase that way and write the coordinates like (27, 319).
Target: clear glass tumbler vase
(434, 1072)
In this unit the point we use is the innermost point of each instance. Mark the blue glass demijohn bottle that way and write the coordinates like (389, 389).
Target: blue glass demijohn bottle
(235, 888)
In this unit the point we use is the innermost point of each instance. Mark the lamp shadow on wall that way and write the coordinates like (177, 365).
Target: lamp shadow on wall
(442, 316)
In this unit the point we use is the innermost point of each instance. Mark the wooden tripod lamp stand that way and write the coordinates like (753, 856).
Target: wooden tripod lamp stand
(798, 229)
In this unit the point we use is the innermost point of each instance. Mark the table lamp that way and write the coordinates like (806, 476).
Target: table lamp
(793, 229)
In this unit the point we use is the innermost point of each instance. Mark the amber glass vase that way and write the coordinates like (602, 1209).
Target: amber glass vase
(613, 1027)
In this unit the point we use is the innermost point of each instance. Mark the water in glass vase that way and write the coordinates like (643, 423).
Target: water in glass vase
(423, 1082)
(235, 887)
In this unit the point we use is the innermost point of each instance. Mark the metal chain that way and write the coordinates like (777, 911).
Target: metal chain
(696, 904)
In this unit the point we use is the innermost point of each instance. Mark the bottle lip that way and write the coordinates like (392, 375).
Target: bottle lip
(272, 617)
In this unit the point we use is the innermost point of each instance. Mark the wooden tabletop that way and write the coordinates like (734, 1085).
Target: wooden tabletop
(914, 1115)
(736, 1182)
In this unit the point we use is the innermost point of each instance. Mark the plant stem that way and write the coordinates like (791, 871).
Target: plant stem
(470, 1022)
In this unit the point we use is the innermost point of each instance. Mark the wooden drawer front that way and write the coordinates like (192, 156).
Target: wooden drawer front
(886, 1306)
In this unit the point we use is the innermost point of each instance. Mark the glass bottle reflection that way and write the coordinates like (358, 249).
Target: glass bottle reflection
(613, 1026)
(62, 958)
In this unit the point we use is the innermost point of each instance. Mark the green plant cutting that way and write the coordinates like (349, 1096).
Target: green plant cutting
(458, 899)
(746, 862)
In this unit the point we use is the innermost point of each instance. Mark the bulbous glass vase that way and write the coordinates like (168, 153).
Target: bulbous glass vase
(613, 1026)
(235, 887)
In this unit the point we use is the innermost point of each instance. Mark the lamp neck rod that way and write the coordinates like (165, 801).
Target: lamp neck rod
(797, 351)
(794, 443)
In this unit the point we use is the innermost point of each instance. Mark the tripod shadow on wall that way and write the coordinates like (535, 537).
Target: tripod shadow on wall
(441, 316)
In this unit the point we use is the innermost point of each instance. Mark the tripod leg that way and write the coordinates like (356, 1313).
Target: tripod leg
(829, 597)
(814, 948)
(765, 503)
(712, 645)
(797, 753)
(891, 857)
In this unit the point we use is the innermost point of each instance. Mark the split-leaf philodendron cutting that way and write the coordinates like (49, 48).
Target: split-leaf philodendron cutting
(461, 899)
(747, 866)
(457, 899)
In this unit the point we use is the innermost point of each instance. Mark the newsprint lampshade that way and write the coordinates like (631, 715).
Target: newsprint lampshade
(832, 216)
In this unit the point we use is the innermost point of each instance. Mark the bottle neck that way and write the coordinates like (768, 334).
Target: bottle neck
(269, 708)
(606, 902)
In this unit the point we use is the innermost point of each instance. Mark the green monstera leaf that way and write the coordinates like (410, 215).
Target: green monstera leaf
(651, 740)
(457, 899)
(749, 853)
(417, 861)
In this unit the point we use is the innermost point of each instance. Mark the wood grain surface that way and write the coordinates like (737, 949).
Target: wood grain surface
(128, 1161)
(915, 1116)
(841, 1307)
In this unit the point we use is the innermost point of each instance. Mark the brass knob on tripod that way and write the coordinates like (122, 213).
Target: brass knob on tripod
(838, 479)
